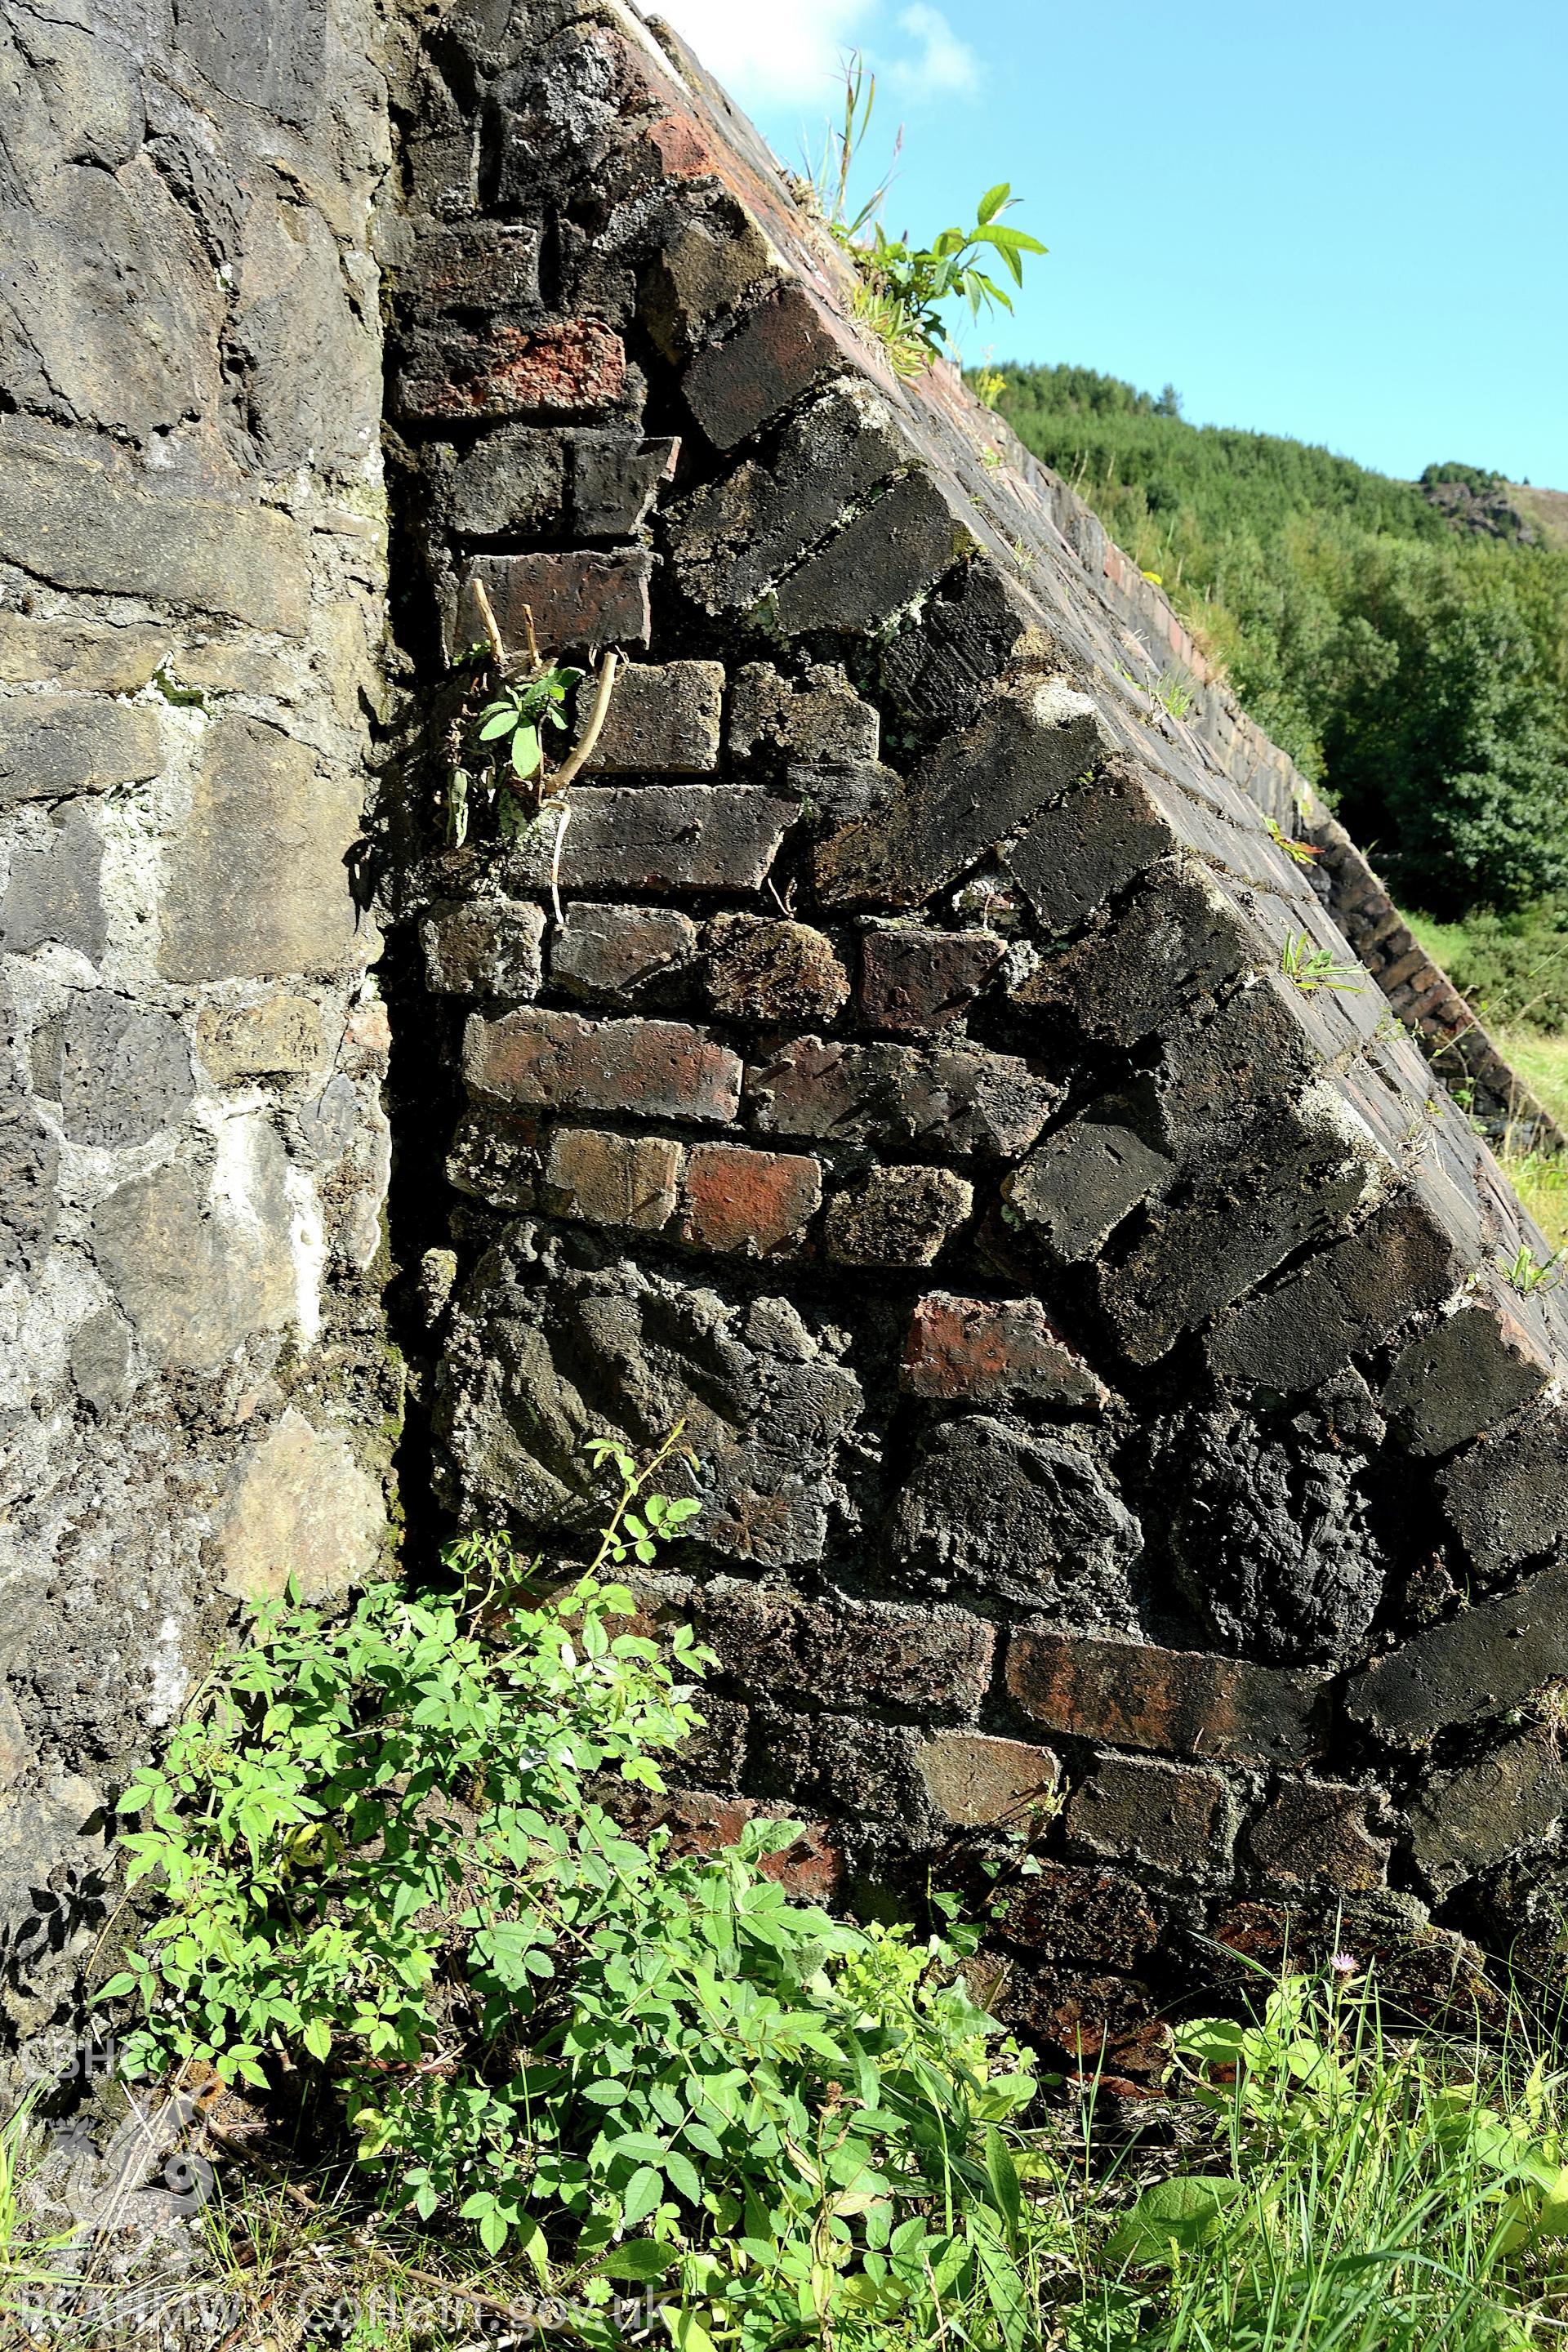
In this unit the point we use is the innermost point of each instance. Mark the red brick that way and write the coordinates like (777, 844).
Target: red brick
(918, 979)
(754, 1203)
(847, 1653)
(1139, 1696)
(778, 352)
(612, 1180)
(578, 602)
(558, 1061)
(982, 1350)
(577, 369)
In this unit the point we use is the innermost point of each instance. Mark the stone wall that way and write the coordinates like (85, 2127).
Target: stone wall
(1095, 1340)
(197, 1396)
(1113, 1417)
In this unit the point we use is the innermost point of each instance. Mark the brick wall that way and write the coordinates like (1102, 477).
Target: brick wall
(1095, 1343)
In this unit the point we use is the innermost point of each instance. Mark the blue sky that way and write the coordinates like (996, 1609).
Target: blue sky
(1345, 222)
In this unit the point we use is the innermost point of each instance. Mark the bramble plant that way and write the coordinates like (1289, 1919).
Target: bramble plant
(900, 286)
(388, 1852)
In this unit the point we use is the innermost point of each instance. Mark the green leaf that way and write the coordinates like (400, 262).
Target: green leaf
(994, 200)
(1003, 2176)
(643, 2192)
(498, 721)
(639, 2258)
(526, 755)
(687, 2332)
(1179, 2215)
(317, 2037)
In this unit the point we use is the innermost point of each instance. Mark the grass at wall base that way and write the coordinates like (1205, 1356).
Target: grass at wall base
(501, 2047)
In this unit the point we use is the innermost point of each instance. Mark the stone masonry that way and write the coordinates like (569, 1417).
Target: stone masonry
(1116, 1429)
(197, 1399)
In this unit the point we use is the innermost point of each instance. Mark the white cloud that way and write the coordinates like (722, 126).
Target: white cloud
(770, 53)
(946, 67)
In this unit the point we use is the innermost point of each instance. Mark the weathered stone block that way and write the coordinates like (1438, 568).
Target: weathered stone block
(750, 1202)
(778, 352)
(876, 566)
(1315, 1834)
(579, 602)
(615, 481)
(1502, 1804)
(281, 1037)
(683, 838)
(80, 524)
(1135, 1695)
(898, 1217)
(571, 370)
(1344, 1300)
(300, 1510)
(817, 717)
(54, 891)
(663, 716)
(99, 1362)
(1483, 1662)
(1167, 1817)
(974, 1782)
(616, 951)
(847, 1653)
(1032, 1519)
(956, 1098)
(483, 947)
(1026, 748)
(982, 1350)
(512, 480)
(84, 656)
(920, 980)
(1072, 1192)
(53, 746)
(763, 968)
(1076, 856)
(1472, 1369)
(558, 1061)
(495, 1158)
(118, 1075)
(612, 1180)
(257, 885)
(733, 538)
(199, 1268)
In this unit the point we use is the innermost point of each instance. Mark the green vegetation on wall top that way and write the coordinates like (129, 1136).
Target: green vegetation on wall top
(1417, 674)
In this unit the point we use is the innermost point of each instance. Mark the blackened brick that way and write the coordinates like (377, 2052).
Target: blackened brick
(1344, 1300)
(615, 479)
(1315, 1834)
(778, 352)
(919, 979)
(1471, 1370)
(617, 951)
(1169, 1817)
(577, 369)
(765, 968)
(663, 716)
(1077, 854)
(1484, 1661)
(681, 837)
(849, 1654)
(898, 1217)
(1073, 1191)
(1508, 1494)
(958, 1098)
(877, 565)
